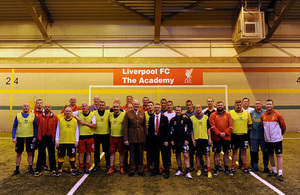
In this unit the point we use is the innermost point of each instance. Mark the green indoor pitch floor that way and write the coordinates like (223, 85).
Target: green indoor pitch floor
(100, 183)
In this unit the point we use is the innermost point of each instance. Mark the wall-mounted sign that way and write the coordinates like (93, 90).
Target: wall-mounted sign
(158, 76)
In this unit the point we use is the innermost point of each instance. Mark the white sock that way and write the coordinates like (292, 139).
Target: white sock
(280, 172)
(274, 169)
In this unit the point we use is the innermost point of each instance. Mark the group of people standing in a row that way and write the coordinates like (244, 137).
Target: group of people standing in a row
(154, 127)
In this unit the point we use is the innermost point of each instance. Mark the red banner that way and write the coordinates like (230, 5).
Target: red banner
(158, 76)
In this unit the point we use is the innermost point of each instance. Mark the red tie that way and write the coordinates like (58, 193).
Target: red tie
(156, 127)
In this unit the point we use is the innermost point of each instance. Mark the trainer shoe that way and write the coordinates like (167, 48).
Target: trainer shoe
(233, 170)
(53, 173)
(272, 174)
(246, 171)
(209, 175)
(254, 169)
(216, 172)
(189, 176)
(87, 171)
(122, 171)
(30, 171)
(16, 172)
(37, 174)
(74, 172)
(227, 172)
(110, 171)
(178, 173)
(198, 172)
(280, 178)
(58, 173)
(220, 168)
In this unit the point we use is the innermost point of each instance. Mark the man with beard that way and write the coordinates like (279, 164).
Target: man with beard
(274, 127)
(47, 123)
(239, 137)
(101, 135)
(221, 126)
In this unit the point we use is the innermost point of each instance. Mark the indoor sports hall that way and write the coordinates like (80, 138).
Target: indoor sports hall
(174, 49)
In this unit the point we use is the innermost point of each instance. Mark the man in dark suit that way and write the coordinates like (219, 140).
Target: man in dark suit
(134, 135)
(158, 132)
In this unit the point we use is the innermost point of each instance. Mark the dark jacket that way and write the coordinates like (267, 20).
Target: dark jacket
(163, 129)
(134, 127)
(180, 129)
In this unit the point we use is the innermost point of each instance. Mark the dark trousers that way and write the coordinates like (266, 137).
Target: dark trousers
(156, 147)
(136, 157)
(50, 145)
(191, 154)
(104, 140)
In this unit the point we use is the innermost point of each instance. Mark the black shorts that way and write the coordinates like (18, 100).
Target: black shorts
(274, 146)
(20, 144)
(219, 144)
(71, 150)
(202, 147)
(239, 141)
(182, 148)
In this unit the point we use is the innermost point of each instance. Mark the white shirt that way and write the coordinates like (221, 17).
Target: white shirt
(76, 113)
(170, 115)
(249, 109)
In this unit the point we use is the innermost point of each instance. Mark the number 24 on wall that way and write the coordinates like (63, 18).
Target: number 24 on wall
(8, 80)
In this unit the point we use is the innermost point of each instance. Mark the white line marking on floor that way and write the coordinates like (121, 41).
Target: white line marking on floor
(267, 184)
(291, 138)
(5, 138)
(72, 191)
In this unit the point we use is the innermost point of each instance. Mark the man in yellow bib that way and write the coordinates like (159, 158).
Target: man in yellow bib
(201, 138)
(66, 138)
(116, 119)
(24, 131)
(239, 136)
(87, 122)
(101, 136)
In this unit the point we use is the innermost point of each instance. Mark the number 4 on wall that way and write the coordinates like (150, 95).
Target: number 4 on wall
(298, 80)
(8, 80)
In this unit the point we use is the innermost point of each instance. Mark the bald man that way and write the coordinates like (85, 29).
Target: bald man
(24, 131)
(72, 105)
(47, 123)
(66, 139)
(134, 135)
(95, 106)
(117, 101)
(87, 122)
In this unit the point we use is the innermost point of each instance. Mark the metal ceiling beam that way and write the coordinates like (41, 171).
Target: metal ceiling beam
(46, 11)
(191, 6)
(37, 20)
(284, 11)
(130, 9)
(158, 8)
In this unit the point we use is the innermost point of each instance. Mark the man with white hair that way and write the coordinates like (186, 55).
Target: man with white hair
(134, 135)
(95, 106)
